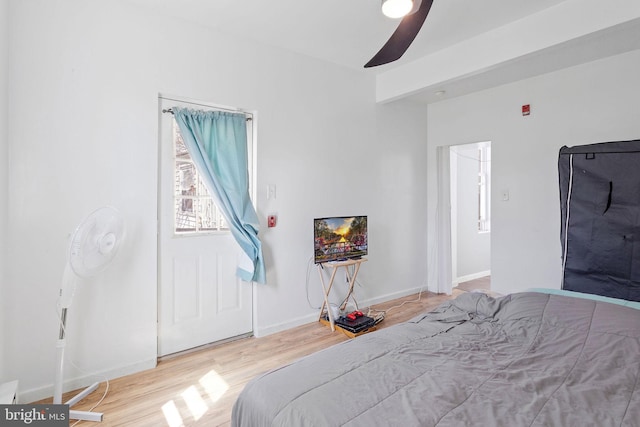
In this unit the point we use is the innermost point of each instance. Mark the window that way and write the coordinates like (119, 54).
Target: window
(484, 188)
(195, 210)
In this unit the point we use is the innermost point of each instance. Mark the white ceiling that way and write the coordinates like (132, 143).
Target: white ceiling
(346, 32)
(350, 32)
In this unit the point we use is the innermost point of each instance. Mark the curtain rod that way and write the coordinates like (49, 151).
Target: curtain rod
(170, 111)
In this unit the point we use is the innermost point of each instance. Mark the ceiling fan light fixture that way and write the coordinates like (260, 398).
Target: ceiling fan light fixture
(396, 8)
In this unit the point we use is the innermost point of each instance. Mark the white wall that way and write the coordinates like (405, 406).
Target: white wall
(4, 56)
(84, 80)
(473, 248)
(594, 102)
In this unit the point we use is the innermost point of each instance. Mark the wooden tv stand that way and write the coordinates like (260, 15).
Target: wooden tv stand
(326, 287)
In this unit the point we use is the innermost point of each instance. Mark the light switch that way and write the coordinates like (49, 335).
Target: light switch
(271, 191)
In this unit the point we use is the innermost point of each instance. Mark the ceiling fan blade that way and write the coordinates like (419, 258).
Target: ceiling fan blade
(402, 37)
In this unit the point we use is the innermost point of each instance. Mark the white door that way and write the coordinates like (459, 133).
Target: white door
(200, 298)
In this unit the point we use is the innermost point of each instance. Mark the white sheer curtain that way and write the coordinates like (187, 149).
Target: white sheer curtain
(443, 223)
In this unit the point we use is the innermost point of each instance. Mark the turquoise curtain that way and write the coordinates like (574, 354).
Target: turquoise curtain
(217, 143)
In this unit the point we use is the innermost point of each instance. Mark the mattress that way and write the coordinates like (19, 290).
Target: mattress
(526, 359)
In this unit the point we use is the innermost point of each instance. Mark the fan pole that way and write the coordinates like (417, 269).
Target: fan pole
(64, 302)
(57, 389)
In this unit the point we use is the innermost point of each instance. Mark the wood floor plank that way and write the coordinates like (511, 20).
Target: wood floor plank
(200, 387)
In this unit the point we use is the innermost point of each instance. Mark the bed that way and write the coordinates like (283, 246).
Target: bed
(539, 358)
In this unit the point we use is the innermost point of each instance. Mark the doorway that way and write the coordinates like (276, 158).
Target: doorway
(200, 298)
(470, 191)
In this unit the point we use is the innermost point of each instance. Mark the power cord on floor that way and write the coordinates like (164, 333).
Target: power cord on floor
(379, 315)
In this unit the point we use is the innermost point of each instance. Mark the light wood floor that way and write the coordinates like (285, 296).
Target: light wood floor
(210, 379)
(479, 284)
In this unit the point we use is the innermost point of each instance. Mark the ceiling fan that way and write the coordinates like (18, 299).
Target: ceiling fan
(404, 35)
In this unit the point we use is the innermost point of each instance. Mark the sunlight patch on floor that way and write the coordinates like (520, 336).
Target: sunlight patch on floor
(195, 402)
(214, 385)
(171, 414)
(211, 384)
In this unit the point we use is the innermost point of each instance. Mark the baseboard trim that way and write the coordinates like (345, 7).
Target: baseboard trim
(44, 392)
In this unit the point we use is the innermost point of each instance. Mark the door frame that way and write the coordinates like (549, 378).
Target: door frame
(252, 152)
(445, 276)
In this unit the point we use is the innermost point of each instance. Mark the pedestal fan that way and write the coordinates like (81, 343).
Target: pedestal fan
(93, 245)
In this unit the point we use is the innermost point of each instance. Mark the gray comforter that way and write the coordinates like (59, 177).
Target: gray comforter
(528, 359)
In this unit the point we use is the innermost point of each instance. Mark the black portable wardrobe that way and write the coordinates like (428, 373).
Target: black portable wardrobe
(600, 218)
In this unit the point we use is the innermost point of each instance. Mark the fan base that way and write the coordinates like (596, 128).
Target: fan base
(84, 415)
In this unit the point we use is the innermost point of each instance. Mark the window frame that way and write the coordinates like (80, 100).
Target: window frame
(199, 197)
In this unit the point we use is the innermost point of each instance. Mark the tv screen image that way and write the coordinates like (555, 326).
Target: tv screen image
(339, 238)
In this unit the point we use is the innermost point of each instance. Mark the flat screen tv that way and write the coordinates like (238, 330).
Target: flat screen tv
(339, 238)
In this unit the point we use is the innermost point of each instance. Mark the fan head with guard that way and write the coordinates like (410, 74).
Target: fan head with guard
(93, 245)
(95, 242)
